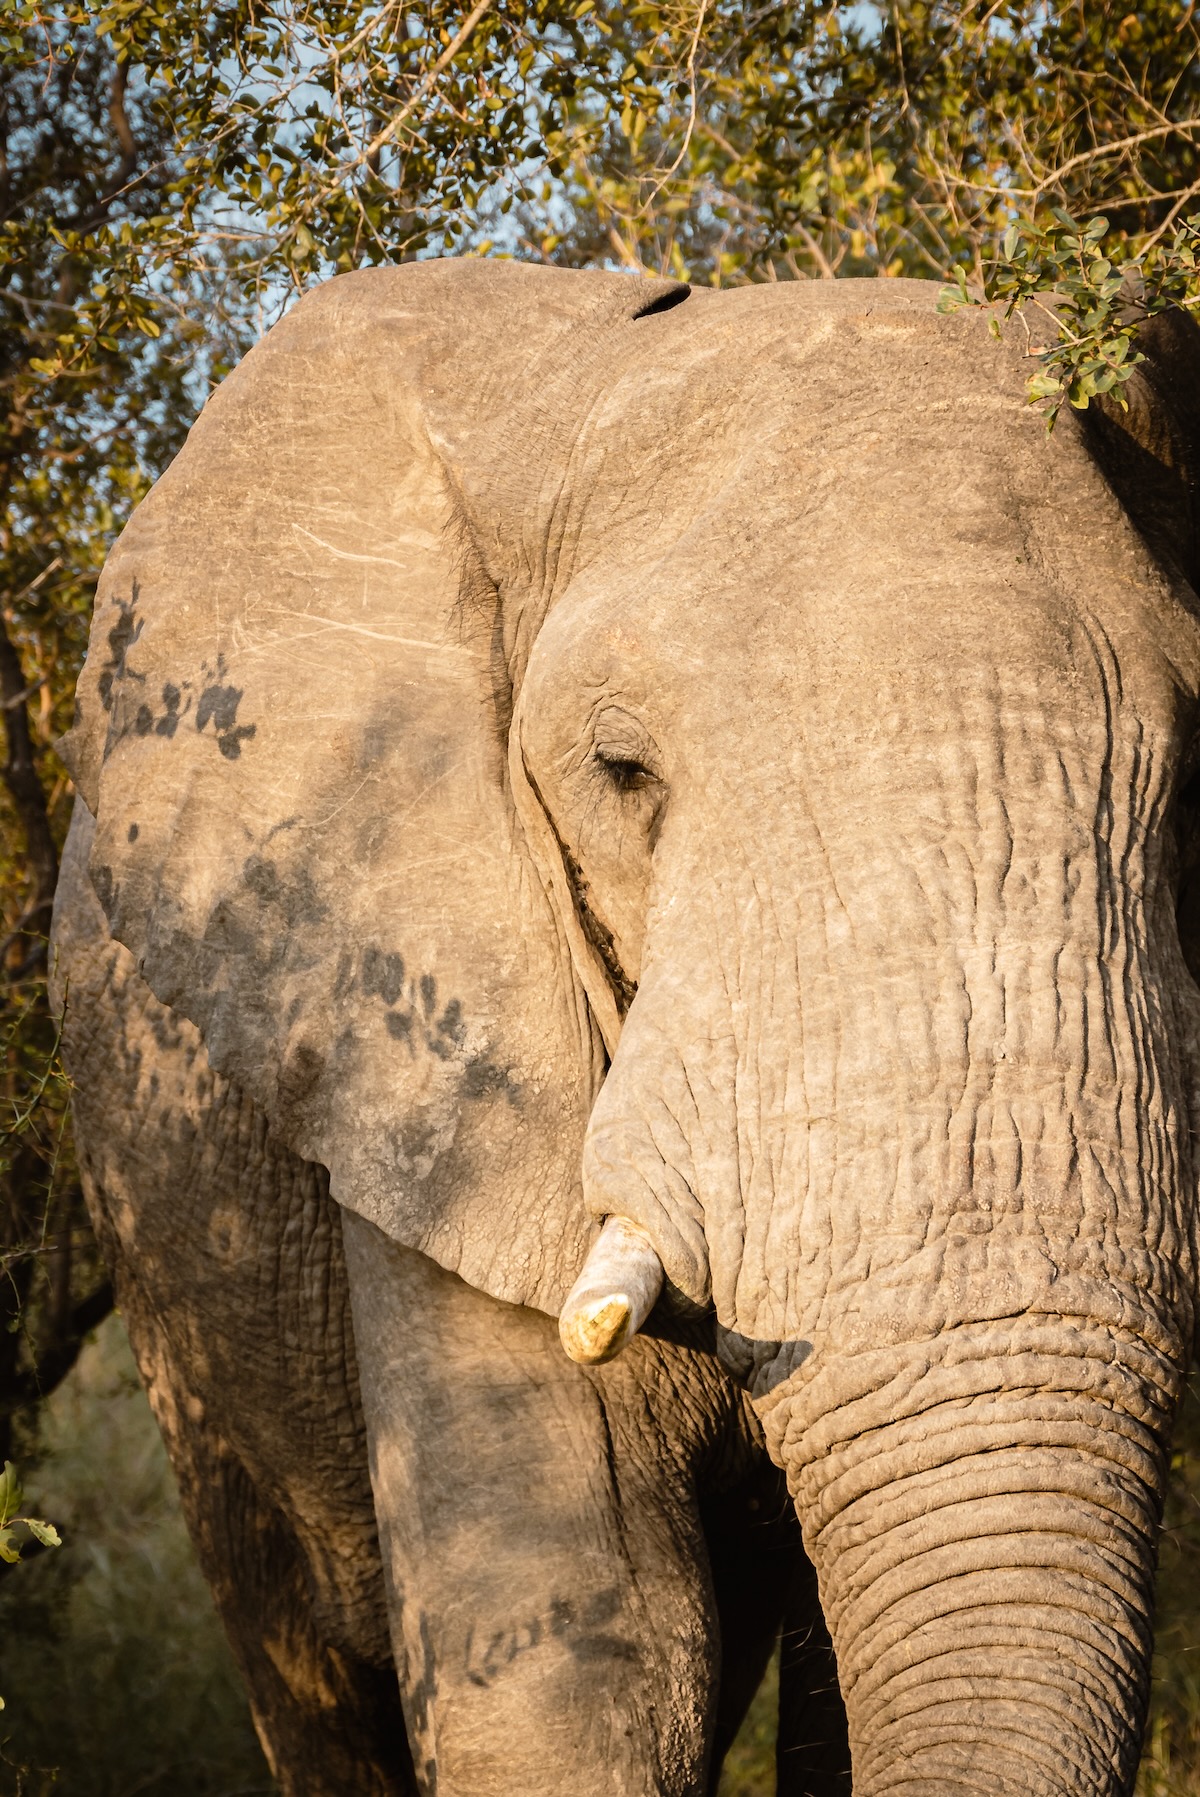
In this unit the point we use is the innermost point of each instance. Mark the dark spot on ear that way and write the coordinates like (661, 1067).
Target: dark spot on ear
(230, 744)
(382, 974)
(345, 973)
(133, 832)
(451, 1024)
(262, 877)
(601, 1606)
(143, 723)
(169, 722)
(482, 1078)
(428, 993)
(399, 1025)
(391, 983)
(294, 894)
(666, 302)
(121, 639)
(417, 1140)
(219, 703)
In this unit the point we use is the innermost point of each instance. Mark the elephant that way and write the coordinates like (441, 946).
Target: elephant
(659, 824)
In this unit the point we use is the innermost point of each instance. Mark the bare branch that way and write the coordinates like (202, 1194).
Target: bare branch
(20, 775)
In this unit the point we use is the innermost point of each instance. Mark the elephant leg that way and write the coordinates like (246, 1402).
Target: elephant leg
(327, 1722)
(552, 1606)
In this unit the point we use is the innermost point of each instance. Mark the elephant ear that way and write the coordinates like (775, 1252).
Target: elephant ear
(292, 731)
(1150, 451)
(1149, 447)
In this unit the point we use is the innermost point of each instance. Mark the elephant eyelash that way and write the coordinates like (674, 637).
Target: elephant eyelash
(625, 774)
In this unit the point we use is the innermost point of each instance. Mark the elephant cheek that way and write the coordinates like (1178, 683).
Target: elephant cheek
(982, 1514)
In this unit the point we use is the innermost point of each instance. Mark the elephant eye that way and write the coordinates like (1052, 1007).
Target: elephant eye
(625, 774)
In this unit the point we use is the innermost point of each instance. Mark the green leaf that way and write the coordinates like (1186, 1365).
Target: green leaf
(10, 1492)
(9, 1551)
(950, 299)
(45, 1532)
(1012, 241)
(1043, 386)
(1096, 228)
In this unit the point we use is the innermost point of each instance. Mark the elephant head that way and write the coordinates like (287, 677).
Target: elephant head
(582, 750)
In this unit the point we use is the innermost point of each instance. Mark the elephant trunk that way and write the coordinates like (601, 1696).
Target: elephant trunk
(986, 1553)
(904, 1099)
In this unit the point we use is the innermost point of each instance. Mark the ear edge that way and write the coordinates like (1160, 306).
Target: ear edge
(1145, 437)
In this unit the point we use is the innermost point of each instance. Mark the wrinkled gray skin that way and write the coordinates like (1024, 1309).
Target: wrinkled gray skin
(561, 747)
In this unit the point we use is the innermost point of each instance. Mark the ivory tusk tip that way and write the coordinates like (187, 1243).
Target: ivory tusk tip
(596, 1330)
(613, 1296)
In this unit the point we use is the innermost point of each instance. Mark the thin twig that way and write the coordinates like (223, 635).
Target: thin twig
(448, 54)
(691, 124)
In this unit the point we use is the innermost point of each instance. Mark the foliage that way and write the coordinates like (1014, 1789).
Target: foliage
(712, 139)
(297, 138)
(1094, 298)
(11, 1499)
(900, 138)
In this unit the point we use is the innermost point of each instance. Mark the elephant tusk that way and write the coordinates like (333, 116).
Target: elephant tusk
(615, 1293)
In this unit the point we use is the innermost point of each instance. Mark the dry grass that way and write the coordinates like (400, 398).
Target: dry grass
(118, 1682)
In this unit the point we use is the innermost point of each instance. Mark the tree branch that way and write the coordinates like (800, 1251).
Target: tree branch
(20, 775)
(56, 1362)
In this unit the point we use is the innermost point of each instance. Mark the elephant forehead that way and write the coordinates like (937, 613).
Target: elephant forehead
(762, 613)
(849, 520)
(842, 437)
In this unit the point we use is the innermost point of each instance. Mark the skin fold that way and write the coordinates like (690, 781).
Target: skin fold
(574, 749)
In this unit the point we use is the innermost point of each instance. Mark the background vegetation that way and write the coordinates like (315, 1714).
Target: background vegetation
(172, 174)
